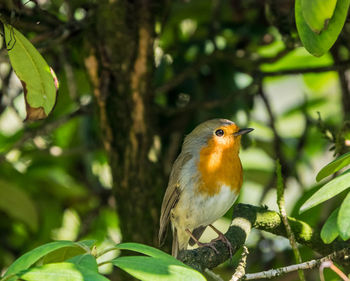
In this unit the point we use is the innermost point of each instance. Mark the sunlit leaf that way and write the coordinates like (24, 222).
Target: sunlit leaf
(31, 257)
(66, 253)
(38, 79)
(155, 269)
(343, 220)
(17, 204)
(319, 44)
(317, 13)
(297, 58)
(85, 261)
(334, 166)
(62, 254)
(328, 191)
(63, 271)
(150, 251)
(330, 230)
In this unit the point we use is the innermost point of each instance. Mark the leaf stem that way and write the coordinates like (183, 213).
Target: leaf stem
(106, 251)
(282, 208)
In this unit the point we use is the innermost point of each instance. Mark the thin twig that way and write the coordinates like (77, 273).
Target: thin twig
(213, 275)
(269, 274)
(331, 265)
(45, 128)
(240, 270)
(282, 208)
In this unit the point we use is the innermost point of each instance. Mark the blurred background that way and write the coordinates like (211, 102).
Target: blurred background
(135, 78)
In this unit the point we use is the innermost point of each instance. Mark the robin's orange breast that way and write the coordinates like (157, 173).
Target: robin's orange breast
(219, 165)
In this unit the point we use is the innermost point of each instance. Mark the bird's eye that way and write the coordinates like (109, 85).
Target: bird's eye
(219, 133)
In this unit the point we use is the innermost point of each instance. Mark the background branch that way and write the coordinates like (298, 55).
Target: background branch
(268, 274)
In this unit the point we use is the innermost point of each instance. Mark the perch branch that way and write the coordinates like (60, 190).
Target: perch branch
(244, 218)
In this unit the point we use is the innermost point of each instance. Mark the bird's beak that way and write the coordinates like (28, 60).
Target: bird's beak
(243, 131)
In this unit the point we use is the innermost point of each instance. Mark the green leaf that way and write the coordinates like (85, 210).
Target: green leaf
(64, 271)
(38, 79)
(334, 166)
(328, 191)
(62, 254)
(150, 251)
(17, 204)
(154, 269)
(317, 13)
(31, 257)
(297, 58)
(85, 261)
(319, 44)
(330, 230)
(343, 220)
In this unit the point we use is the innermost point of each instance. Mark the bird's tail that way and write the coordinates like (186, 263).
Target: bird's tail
(175, 246)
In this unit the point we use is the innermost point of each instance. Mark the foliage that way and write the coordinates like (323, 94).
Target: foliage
(319, 23)
(236, 60)
(338, 222)
(66, 260)
(38, 79)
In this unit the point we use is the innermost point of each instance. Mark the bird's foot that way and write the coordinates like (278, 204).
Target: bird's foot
(200, 244)
(210, 245)
(222, 238)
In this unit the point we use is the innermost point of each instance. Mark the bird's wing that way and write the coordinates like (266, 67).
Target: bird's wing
(172, 195)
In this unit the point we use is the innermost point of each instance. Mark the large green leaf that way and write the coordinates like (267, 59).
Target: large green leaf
(297, 58)
(334, 166)
(31, 257)
(38, 79)
(150, 251)
(154, 269)
(16, 203)
(88, 261)
(330, 230)
(317, 13)
(328, 191)
(64, 271)
(319, 44)
(343, 220)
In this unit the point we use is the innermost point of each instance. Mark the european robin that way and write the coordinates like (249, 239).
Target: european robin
(204, 182)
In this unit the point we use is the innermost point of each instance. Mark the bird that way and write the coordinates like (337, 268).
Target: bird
(204, 182)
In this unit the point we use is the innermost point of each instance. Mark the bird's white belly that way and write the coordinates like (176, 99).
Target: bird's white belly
(195, 209)
(211, 208)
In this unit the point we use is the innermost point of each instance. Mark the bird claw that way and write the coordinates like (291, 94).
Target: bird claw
(224, 239)
(210, 245)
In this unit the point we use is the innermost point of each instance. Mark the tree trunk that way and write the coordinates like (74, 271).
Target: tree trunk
(121, 66)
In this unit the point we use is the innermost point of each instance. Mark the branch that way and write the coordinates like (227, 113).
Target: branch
(210, 104)
(213, 275)
(45, 127)
(240, 270)
(331, 265)
(243, 63)
(244, 218)
(305, 265)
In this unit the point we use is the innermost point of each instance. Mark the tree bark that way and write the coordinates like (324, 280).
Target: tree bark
(120, 66)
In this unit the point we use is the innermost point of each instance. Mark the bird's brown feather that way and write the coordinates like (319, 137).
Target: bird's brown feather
(172, 195)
